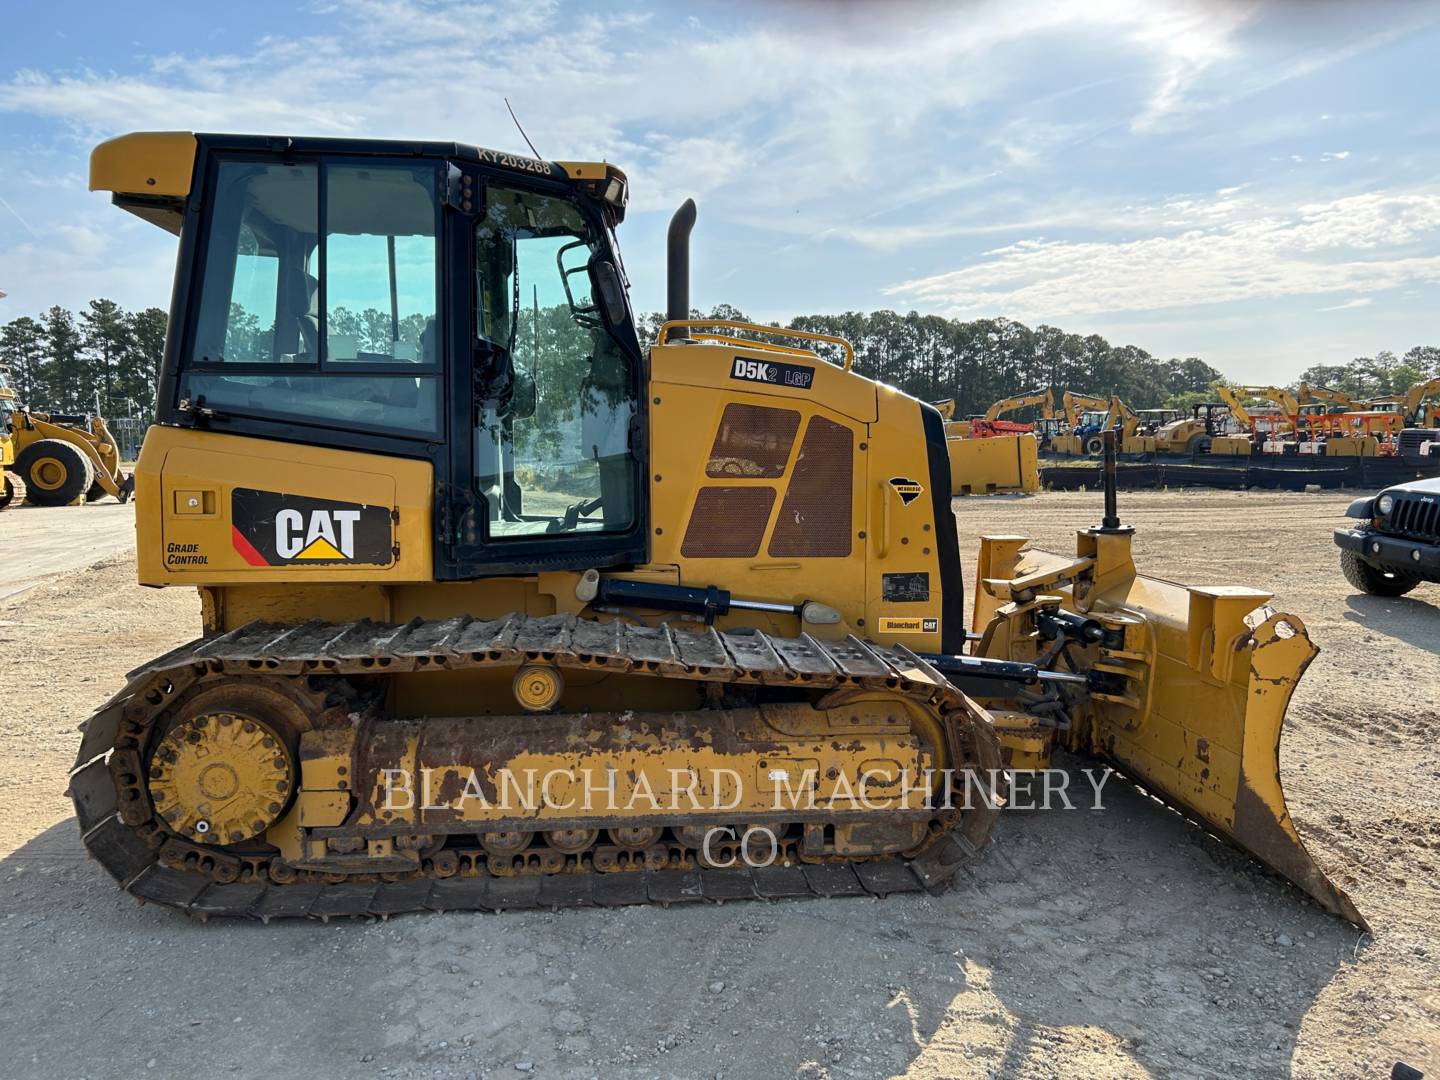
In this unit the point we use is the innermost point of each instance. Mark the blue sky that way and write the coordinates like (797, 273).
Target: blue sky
(1257, 184)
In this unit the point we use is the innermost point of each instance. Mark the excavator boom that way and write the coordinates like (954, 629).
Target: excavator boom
(1308, 394)
(1044, 398)
(1075, 404)
(1415, 396)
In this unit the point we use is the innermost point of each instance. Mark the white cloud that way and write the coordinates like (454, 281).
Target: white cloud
(809, 120)
(1350, 305)
(827, 91)
(1214, 251)
(868, 140)
(1197, 74)
(1187, 42)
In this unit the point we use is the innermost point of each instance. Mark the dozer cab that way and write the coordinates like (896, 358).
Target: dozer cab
(502, 609)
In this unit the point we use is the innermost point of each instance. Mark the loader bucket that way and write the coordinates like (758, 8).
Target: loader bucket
(1196, 697)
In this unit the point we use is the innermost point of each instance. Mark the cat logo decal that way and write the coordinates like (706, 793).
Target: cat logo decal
(269, 528)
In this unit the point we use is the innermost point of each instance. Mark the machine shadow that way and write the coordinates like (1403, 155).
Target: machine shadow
(1127, 939)
(1413, 619)
(1120, 940)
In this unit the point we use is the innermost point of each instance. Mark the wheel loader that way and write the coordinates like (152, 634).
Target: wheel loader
(502, 609)
(65, 459)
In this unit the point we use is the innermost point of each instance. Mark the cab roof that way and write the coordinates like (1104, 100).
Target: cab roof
(150, 173)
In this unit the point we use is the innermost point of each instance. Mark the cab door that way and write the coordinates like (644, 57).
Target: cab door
(545, 458)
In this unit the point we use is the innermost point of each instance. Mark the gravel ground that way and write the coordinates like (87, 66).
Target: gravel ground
(1121, 943)
(39, 541)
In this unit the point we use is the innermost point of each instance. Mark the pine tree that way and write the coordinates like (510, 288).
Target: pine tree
(140, 365)
(23, 350)
(67, 388)
(105, 333)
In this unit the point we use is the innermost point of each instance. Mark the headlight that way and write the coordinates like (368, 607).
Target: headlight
(1385, 504)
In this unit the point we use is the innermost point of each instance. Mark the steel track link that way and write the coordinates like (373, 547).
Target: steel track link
(121, 831)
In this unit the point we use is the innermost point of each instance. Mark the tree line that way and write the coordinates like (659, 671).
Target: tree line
(110, 357)
(983, 360)
(1381, 375)
(105, 357)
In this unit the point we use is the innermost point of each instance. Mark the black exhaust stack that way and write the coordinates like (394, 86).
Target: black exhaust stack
(677, 268)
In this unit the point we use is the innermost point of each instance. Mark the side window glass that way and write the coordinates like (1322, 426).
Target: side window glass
(257, 300)
(250, 330)
(380, 253)
(327, 328)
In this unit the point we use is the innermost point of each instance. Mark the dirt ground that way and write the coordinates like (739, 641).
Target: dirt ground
(1083, 944)
(38, 541)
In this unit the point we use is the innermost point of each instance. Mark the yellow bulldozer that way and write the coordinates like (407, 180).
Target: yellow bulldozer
(495, 618)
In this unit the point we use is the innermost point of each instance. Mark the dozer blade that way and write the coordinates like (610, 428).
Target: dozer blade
(1211, 748)
(1192, 688)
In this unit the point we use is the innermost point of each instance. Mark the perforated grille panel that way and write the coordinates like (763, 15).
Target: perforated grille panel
(728, 523)
(814, 519)
(753, 441)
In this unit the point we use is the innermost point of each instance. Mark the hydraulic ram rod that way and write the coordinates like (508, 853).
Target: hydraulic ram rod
(980, 667)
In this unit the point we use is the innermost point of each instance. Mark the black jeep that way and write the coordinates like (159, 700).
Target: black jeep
(1398, 545)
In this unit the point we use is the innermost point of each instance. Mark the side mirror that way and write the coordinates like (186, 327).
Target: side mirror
(609, 291)
(523, 395)
(509, 390)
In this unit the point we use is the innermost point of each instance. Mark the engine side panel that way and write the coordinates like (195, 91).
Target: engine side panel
(226, 509)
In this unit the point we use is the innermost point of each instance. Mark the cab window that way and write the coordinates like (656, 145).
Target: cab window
(319, 296)
(552, 433)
